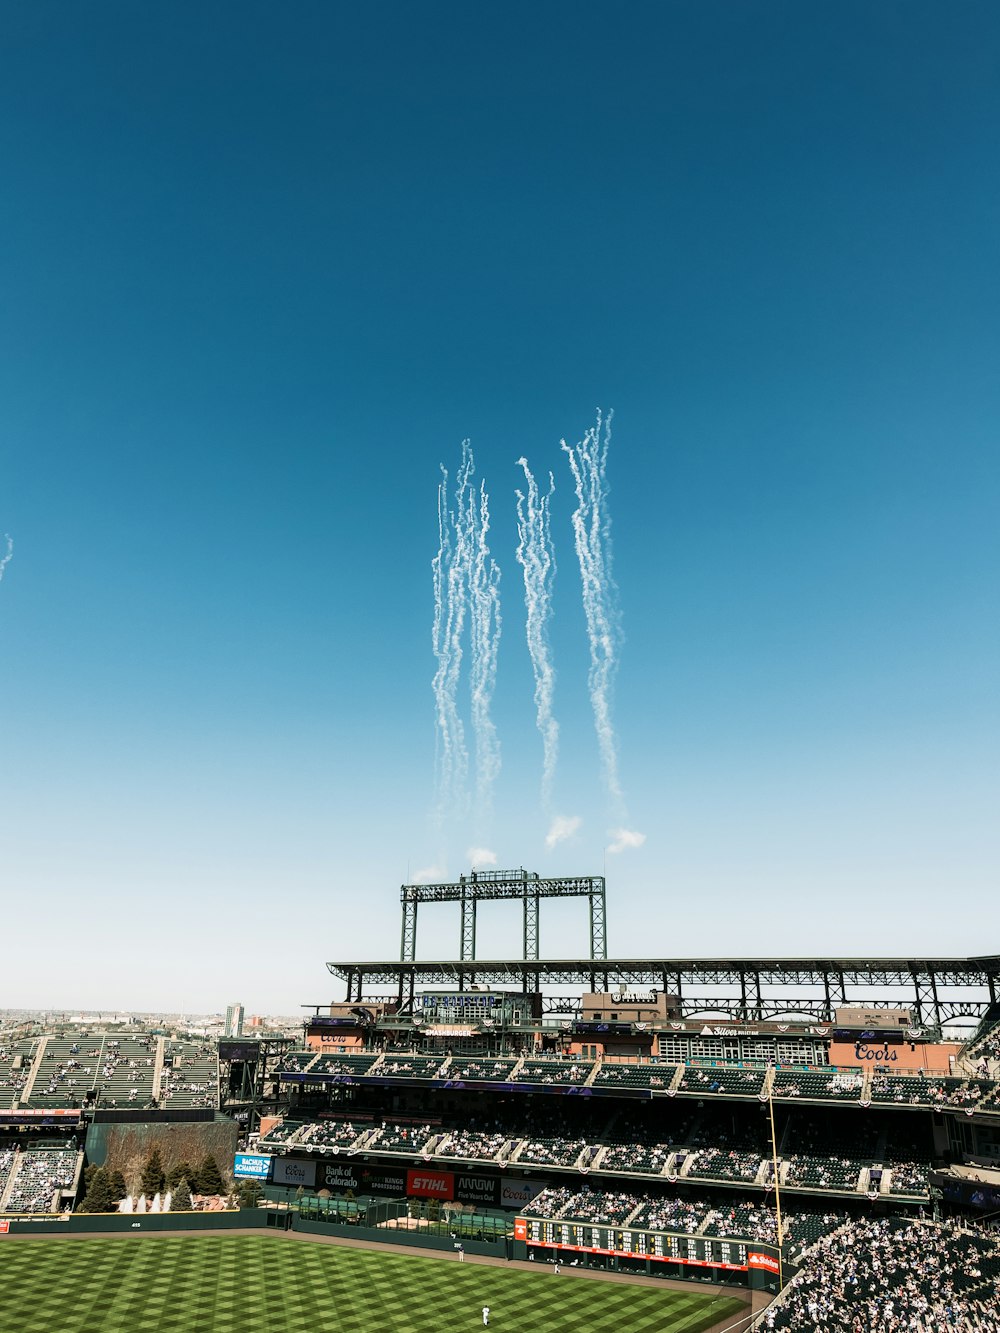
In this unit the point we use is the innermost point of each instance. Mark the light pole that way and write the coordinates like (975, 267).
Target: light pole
(777, 1187)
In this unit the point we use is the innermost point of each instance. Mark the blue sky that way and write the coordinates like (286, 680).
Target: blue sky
(263, 270)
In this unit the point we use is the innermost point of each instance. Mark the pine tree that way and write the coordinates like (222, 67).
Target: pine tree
(98, 1197)
(247, 1193)
(208, 1178)
(180, 1198)
(117, 1186)
(153, 1179)
(178, 1172)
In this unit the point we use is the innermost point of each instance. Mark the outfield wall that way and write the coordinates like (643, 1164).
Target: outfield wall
(128, 1224)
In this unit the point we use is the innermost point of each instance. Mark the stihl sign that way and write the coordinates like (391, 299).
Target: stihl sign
(430, 1184)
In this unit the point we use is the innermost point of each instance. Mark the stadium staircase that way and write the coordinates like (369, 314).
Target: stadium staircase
(675, 1082)
(588, 1082)
(161, 1044)
(9, 1182)
(515, 1072)
(36, 1064)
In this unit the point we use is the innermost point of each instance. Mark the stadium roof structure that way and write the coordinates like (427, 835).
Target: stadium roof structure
(915, 983)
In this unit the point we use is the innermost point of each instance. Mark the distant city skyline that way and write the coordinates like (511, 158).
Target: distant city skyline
(266, 273)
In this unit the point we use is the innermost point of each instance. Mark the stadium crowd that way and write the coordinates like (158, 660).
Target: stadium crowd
(894, 1276)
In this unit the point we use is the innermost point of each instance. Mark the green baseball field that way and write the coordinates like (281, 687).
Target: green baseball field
(274, 1284)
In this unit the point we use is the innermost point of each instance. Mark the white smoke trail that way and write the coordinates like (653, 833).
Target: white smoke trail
(450, 578)
(466, 585)
(6, 559)
(485, 627)
(592, 537)
(537, 557)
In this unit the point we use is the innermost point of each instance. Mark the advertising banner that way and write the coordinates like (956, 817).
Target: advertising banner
(422, 1184)
(349, 1177)
(289, 1171)
(239, 1050)
(251, 1166)
(483, 1190)
(47, 1116)
(757, 1260)
(517, 1193)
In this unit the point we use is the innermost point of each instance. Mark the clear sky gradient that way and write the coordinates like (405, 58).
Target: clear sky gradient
(264, 267)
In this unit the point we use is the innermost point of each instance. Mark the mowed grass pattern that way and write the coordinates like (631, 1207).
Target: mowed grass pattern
(272, 1284)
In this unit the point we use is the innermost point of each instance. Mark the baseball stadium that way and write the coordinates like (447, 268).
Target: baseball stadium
(668, 1144)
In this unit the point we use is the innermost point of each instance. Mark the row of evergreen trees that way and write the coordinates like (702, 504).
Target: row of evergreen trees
(104, 1189)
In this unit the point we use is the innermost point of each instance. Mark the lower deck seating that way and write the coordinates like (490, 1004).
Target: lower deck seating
(893, 1273)
(39, 1175)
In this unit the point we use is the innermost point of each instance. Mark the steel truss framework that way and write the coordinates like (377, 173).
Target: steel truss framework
(915, 984)
(503, 885)
(248, 1088)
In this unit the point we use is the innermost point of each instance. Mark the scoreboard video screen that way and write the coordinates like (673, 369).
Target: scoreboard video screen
(624, 1242)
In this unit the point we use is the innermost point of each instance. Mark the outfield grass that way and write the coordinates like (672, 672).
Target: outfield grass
(272, 1284)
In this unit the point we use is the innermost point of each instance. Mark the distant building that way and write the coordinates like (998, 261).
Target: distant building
(234, 1020)
(255, 1021)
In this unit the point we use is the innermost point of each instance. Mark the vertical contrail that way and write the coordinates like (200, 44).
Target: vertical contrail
(450, 577)
(537, 557)
(466, 586)
(592, 537)
(8, 555)
(486, 624)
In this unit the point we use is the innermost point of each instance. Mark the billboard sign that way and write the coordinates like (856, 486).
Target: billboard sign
(289, 1171)
(251, 1166)
(422, 1184)
(517, 1193)
(757, 1260)
(483, 1190)
(239, 1050)
(353, 1178)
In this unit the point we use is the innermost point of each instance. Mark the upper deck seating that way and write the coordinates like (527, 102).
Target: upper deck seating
(481, 1069)
(727, 1081)
(560, 1072)
(334, 1065)
(409, 1066)
(658, 1077)
(817, 1085)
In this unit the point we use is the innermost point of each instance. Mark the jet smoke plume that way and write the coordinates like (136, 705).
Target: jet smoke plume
(8, 556)
(450, 582)
(466, 583)
(486, 624)
(592, 537)
(537, 557)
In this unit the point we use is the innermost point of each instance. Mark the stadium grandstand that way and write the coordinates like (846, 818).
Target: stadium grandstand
(767, 1123)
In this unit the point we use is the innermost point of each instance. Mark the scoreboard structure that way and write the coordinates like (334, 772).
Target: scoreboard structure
(620, 1242)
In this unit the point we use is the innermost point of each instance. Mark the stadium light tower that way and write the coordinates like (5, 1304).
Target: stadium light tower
(521, 886)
